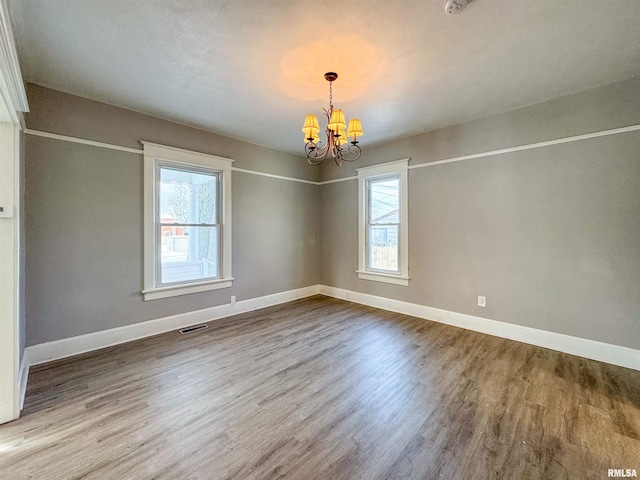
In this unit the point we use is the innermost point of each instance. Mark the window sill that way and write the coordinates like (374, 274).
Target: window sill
(383, 277)
(176, 290)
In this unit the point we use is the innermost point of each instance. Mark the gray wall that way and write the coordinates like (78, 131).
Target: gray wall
(84, 219)
(550, 236)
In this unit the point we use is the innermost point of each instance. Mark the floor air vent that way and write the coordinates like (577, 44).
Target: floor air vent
(195, 328)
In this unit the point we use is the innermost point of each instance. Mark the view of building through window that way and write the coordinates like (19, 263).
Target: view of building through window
(189, 225)
(383, 223)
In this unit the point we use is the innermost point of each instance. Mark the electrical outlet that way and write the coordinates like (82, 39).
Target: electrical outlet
(233, 299)
(482, 301)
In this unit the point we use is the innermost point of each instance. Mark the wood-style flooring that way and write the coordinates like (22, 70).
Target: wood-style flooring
(324, 389)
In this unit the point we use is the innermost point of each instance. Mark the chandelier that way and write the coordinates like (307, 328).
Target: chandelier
(337, 142)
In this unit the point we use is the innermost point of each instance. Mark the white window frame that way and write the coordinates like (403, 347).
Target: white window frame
(155, 155)
(400, 168)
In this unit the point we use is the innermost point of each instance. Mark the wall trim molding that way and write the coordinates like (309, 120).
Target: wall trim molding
(336, 180)
(68, 347)
(140, 151)
(529, 146)
(273, 175)
(23, 377)
(82, 141)
(582, 347)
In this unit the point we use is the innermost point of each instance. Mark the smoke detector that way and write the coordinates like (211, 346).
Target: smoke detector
(454, 6)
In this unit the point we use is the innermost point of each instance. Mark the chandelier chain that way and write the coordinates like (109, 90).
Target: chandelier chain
(330, 96)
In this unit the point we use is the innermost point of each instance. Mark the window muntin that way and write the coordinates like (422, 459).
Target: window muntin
(187, 224)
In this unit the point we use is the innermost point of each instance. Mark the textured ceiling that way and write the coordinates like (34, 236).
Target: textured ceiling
(253, 69)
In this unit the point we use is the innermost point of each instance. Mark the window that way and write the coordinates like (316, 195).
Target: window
(383, 232)
(187, 225)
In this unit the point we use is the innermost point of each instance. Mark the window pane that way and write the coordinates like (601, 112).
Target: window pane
(189, 253)
(383, 247)
(188, 196)
(384, 200)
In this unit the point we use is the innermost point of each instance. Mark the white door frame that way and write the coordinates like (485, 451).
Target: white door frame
(9, 275)
(13, 101)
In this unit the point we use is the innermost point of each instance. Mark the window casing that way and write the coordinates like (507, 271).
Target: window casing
(187, 224)
(383, 229)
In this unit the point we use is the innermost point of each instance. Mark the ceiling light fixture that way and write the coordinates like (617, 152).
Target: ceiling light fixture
(337, 142)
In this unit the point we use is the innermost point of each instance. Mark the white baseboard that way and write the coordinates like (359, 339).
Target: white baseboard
(23, 376)
(603, 352)
(67, 347)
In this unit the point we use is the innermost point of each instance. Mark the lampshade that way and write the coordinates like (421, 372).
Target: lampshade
(355, 129)
(310, 125)
(337, 121)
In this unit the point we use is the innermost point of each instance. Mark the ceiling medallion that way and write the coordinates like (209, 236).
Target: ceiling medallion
(337, 142)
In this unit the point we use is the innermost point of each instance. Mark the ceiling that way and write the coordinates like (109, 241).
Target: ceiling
(253, 69)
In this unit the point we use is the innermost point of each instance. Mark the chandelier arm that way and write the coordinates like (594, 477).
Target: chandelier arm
(354, 149)
(316, 155)
(314, 162)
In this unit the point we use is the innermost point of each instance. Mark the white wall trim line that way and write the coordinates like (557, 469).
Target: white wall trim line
(272, 175)
(336, 180)
(603, 352)
(23, 376)
(67, 347)
(82, 141)
(531, 146)
(140, 151)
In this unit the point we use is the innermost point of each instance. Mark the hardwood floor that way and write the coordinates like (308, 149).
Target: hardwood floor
(324, 389)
